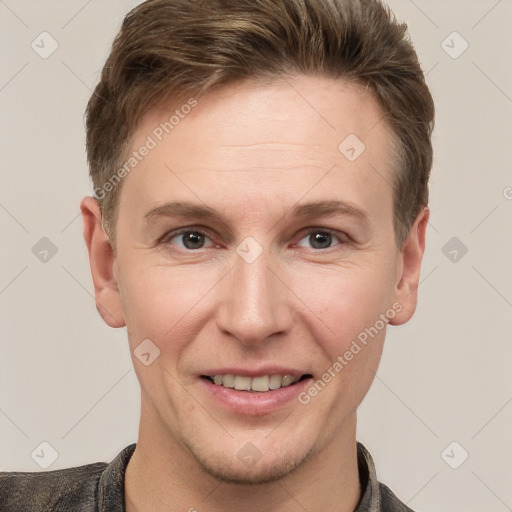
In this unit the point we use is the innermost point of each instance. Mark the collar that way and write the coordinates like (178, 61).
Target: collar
(375, 497)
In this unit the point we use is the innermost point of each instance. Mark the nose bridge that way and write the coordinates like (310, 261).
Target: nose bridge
(254, 307)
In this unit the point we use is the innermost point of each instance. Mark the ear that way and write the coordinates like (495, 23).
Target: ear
(411, 256)
(103, 264)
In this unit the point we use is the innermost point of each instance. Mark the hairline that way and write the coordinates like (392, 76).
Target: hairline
(397, 156)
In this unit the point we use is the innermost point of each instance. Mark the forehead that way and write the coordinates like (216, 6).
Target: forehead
(265, 140)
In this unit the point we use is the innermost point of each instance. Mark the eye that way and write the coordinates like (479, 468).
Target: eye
(189, 240)
(319, 239)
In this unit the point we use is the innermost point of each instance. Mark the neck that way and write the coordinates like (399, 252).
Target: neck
(162, 475)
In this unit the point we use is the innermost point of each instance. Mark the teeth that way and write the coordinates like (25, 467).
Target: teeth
(275, 382)
(287, 380)
(261, 384)
(228, 381)
(242, 383)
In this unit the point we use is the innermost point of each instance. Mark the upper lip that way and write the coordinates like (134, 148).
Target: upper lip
(252, 372)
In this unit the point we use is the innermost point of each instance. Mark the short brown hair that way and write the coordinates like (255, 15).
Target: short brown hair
(167, 49)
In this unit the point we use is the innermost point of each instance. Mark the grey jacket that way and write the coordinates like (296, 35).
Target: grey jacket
(99, 487)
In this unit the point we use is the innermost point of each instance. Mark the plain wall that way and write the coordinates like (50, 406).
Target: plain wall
(67, 379)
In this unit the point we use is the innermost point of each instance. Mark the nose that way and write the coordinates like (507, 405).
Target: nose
(255, 304)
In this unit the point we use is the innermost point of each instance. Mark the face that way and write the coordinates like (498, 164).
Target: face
(260, 261)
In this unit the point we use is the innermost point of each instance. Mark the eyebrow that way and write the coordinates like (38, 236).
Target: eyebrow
(183, 209)
(312, 209)
(319, 208)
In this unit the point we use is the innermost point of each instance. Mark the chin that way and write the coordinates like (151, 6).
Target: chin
(259, 469)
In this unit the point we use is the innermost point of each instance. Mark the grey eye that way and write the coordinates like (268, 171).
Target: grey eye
(190, 240)
(317, 240)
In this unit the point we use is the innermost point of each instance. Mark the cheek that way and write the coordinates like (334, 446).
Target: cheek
(345, 317)
(163, 303)
(345, 304)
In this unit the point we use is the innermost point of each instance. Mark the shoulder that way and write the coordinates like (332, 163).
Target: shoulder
(375, 496)
(390, 503)
(65, 489)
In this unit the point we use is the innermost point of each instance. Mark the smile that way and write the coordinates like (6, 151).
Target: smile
(260, 384)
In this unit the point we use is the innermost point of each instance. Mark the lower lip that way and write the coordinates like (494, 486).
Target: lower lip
(254, 403)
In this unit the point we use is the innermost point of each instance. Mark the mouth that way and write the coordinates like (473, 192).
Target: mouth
(255, 384)
(256, 392)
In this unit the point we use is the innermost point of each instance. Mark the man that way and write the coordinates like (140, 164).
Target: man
(260, 173)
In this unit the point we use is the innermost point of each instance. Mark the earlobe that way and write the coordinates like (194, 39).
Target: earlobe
(411, 256)
(102, 261)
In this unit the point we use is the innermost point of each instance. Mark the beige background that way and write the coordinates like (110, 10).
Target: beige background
(67, 379)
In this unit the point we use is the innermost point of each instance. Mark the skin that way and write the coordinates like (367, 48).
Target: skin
(253, 153)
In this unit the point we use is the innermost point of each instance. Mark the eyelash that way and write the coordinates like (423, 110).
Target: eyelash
(342, 238)
(166, 239)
